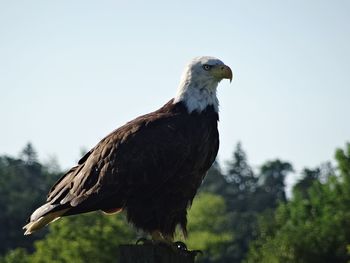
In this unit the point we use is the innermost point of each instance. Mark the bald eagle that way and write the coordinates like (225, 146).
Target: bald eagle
(152, 166)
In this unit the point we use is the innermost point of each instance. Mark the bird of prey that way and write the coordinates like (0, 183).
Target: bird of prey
(152, 166)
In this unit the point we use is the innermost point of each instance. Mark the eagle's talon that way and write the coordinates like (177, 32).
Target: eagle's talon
(180, 246)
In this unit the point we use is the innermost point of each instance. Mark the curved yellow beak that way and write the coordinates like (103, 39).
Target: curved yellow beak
(222, 72)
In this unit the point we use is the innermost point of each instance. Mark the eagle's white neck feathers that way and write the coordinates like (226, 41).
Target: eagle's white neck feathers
(197, 88)
(197, 95)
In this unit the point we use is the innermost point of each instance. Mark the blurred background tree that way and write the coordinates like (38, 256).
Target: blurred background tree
(246, 195)
(91, 237)
(207, 227)
(24, 184)
(314, 226)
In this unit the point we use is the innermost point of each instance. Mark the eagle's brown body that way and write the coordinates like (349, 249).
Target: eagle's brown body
(151, 167)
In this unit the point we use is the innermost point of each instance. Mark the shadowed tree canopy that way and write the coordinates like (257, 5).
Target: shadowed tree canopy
(23, 185)
(214, 181)
(309, 177)
(28, 154)
(241, 180)
(272, 184)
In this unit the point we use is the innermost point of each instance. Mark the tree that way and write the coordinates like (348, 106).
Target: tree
(84, 238)
(312, 228)
(247, 195)
(239, 194)
(271, 188)
(18, 255)
(207, 227)
(28, 154)
(214, 181)
(24, 184)
(240, 175)
(309, 177)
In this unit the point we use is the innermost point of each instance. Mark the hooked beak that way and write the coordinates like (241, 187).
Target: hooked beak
(222, 72)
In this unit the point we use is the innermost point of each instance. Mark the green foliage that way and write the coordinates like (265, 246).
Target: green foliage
(92, 237)
(207, 226)
(241, 180)
(18, 255)
(271, 189)
(309, 177)
(312, 227)
(343, 158)
(246, 195)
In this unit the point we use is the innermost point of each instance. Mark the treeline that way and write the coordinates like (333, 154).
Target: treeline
(239, 215)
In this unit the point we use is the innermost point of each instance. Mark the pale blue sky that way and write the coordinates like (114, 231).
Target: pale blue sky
(72, 71)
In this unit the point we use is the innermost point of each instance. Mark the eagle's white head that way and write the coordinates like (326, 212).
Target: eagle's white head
(198, 84)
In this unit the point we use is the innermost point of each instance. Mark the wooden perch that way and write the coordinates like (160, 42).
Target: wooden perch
(151, 253)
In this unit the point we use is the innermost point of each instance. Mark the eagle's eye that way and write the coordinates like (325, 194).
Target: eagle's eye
(206, 67)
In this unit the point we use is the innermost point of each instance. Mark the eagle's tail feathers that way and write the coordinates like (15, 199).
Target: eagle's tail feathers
(43, 221)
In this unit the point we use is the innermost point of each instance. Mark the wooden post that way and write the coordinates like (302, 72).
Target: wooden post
(151, 253)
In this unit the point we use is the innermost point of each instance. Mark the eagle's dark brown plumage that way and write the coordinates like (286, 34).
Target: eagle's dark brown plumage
(151, 168)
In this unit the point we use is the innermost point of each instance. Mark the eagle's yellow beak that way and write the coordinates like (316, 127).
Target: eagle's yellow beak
(222, 72)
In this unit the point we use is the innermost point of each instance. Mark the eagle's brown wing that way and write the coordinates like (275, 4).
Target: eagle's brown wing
(133, 162)
(145, 152)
